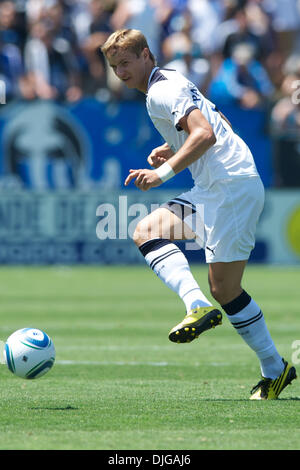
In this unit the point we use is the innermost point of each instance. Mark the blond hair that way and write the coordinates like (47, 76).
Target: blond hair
(130, 39)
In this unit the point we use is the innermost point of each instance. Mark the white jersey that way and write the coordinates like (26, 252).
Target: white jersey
(171, 96)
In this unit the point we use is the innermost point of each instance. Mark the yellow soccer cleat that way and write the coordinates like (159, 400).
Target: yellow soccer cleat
(268, 389)
(194, 323)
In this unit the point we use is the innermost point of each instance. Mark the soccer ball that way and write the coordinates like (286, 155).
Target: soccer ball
(29, 353)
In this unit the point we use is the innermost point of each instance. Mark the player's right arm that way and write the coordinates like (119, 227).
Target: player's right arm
(160, 155)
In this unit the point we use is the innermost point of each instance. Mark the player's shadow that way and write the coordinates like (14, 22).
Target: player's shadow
(55, 408)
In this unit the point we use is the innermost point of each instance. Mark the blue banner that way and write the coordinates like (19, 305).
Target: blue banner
(85, 146)
(58, 163)
(82, 227)
(92, 145)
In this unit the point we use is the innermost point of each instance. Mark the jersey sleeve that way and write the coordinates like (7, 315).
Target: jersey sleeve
(171, 102)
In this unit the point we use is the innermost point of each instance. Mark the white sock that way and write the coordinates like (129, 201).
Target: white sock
(248, 320)
(171, 266)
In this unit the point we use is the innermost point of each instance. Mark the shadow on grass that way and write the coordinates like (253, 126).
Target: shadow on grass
(54, 408)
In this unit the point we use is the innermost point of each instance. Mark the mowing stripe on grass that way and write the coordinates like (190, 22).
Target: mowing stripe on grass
(134, 363)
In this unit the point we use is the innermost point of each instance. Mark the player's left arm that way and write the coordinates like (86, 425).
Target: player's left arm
(200, 138)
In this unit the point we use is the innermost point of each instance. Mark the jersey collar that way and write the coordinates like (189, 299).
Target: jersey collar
(151, 76)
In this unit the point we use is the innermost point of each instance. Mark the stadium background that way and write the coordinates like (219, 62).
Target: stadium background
(69, 131)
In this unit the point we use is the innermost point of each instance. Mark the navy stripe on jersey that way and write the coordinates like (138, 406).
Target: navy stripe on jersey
(188, 111)
(156, 77)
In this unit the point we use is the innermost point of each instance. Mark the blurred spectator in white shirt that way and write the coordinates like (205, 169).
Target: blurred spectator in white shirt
(99, 28)
(139, 14)
(205, 21)
(185, 57)
(285, 18)
(50, 69)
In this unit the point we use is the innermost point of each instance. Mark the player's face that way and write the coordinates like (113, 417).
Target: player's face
(130, 69)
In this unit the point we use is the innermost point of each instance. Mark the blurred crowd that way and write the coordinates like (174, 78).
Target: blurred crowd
(236, 51)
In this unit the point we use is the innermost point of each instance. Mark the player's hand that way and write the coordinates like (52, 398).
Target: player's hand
(159, 155)
(144, 179)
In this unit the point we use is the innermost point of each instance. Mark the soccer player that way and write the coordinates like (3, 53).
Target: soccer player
(227, 197)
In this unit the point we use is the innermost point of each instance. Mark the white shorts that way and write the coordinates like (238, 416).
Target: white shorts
(224, 218)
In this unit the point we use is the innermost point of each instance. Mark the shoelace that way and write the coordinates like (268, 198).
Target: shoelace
(264, 384)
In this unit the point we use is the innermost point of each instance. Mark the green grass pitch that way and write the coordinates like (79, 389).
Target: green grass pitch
(119, 383)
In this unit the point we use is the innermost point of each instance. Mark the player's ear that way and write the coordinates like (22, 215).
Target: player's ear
(145, 53)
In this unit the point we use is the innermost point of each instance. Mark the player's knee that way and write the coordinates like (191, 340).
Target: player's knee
(221, 291)
(217, 291)
(137, 235)
(141, 233)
